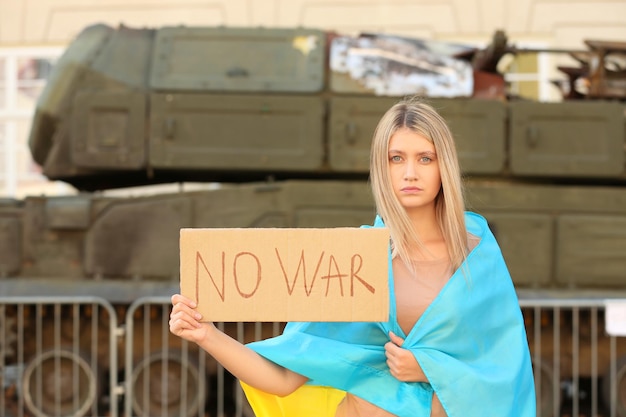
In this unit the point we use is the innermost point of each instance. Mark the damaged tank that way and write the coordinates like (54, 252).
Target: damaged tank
(278, 122)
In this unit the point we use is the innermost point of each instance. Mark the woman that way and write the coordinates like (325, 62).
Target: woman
(455, 343)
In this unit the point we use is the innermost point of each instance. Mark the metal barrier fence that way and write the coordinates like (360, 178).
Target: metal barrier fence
(53, 357)
(171, 377)
(69, 357)
(579, 369)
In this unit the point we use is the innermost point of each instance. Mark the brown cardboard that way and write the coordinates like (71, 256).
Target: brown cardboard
(332, 274)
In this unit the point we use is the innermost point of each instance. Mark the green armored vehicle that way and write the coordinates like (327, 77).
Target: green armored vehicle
(279, 121)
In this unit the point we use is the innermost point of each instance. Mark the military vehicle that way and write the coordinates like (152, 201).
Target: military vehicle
(278, 122)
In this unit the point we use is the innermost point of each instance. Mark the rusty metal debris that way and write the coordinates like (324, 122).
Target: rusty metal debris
(599, 71)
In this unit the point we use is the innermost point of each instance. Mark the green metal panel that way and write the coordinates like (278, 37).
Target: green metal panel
(584, 139)
(239, 59)
(333, 217)
(11, 237)
(69, 213)
(60, 86)
(503, 196)
(137, 238)
(591, 250)
(352, 121)
(477, 125)
(330, 204)
(276, 133)
(247, 205)
(10, 246)
(126, 57)
(286, 204)
(479, 129)
(108, 130)
(526, 241)
(47, 252)
(583, 246)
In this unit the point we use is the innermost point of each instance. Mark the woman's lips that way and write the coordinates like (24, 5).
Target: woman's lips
(411, 190)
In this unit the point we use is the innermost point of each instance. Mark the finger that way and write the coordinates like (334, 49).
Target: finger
(391, 364)
(397, 340)
(184, 308)
(178, 324)
(181, 299)
(190, 317)
(181, 320)
(391, 351)
(181, 307)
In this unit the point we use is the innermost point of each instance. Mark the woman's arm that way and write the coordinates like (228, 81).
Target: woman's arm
(239, 360)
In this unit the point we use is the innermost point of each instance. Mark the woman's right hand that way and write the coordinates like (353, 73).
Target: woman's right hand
(185, 320)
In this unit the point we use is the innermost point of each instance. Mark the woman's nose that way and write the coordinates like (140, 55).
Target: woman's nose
(410, 172)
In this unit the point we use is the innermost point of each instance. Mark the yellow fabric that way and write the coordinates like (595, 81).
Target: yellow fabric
(306, 401)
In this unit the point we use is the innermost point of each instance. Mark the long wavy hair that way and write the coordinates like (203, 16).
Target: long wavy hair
(419, 117)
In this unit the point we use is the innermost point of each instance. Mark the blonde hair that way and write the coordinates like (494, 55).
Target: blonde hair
(419, 117)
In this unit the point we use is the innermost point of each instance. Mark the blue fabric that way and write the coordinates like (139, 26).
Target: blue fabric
(470, 342)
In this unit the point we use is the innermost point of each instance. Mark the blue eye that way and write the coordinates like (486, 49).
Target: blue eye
(395, 158)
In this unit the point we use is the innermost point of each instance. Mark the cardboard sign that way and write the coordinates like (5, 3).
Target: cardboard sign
(281, 274)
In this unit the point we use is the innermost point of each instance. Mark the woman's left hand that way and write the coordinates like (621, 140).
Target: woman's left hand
(402, 364)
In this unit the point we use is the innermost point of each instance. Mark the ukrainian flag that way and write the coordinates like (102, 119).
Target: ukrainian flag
(307, 401)
(470, 342)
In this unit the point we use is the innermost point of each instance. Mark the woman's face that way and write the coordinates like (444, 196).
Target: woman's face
(414, 170)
